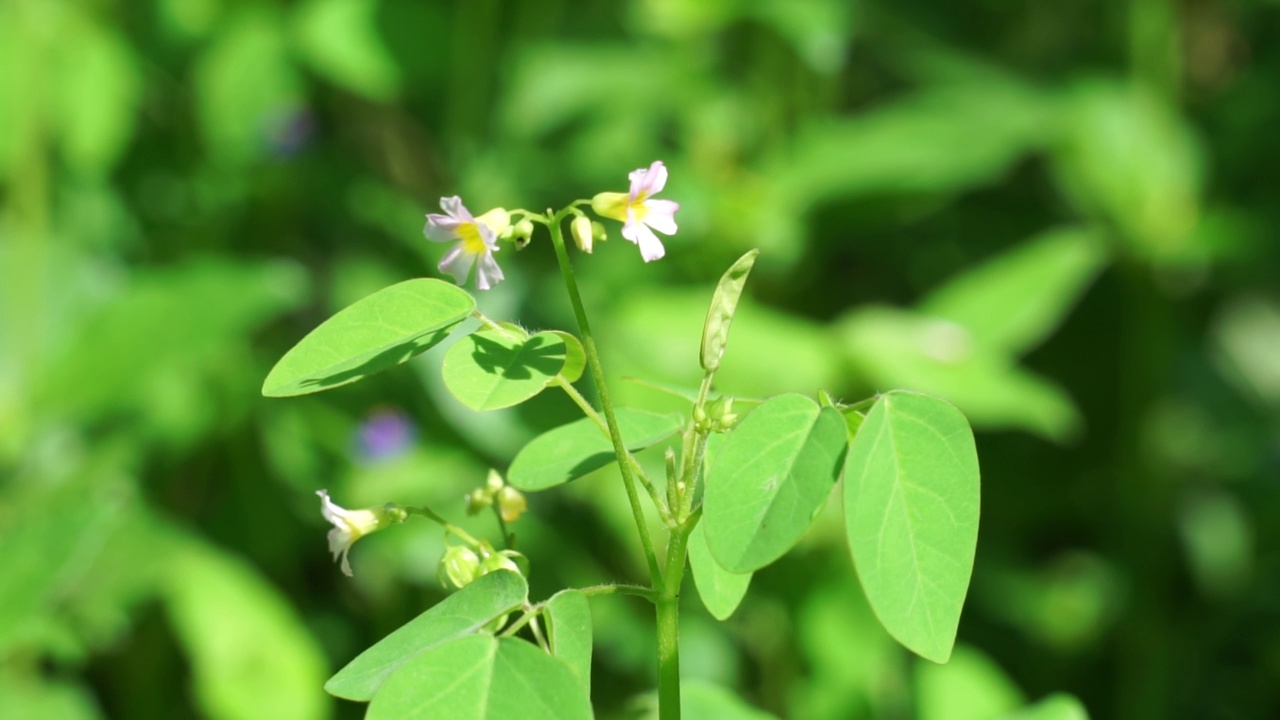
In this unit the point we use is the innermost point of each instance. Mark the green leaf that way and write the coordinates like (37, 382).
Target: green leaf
(481, 677)
(251, 655)
(715, 331)
(911, 513)
(1012, 302)
(339, 38)
(569, 633)
(382, 330)
(571, 451)
(1058, 706)
(900, 349)
(246, 86)
(575, 357)
(720, 590)
(700, 700)
(461, 614)
(770, 479)
(970, 686)
(97, 93)
(492, 369)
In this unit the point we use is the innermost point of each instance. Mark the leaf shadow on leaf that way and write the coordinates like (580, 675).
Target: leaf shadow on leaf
(539, 353)
(387, 358)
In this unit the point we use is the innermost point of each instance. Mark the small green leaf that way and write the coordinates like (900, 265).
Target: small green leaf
(971, 686)
(481, 677)
(770, 479)
(382, 330)
(492, 369)
(715, 331)
(1058, 706)
(461, 614)
(575, 357)
(700, 700)
(911, 514)
(720, 590)
(97, 95)
(1012, 302)
(571, 451)
(569, 632)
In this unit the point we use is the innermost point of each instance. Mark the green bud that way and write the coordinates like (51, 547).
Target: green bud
(598, 232)
(478, 501)
(461, 565)
(511, 504)
(583, 237)
(522, 232)
(493, 483)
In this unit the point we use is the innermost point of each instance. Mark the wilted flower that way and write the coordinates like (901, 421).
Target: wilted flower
(477, 240)
(638, 211)
(351, 525)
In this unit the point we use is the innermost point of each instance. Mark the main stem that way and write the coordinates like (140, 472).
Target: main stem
(668, 606)
(597, 376)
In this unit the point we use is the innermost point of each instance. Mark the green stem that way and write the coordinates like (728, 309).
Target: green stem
(449, 527)
(668, 608)
(630, 459)
(597, 376)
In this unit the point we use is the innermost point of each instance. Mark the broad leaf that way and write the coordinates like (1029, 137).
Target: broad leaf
(462, 613)
(571, 451)
(700, 700)
(481, 677)
(911, 514)
(382, 330)
(971, 686)
(1012, 302)
(720, 590)
(715, 330)
(575, 357)
(1058, 706)
(569, 633)
(770, 479)
(492, 369)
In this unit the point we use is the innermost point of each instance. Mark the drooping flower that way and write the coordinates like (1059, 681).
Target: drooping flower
(351, 525)
(638, 211)
(477, 239)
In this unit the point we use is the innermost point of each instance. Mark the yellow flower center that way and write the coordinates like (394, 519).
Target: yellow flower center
(472, 242)
(638, 208)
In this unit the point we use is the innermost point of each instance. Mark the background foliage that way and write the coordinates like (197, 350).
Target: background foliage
(1057, 215)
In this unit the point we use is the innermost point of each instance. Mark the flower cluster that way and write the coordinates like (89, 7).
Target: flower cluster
(477, 238)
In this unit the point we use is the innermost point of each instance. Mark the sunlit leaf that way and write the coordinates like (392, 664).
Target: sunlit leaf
(98, 93)
(571, 451)
(911, 514)
(36, 698)
(339, 38)
(492, 369)
(250, 654)
(700, 700)
(970, 686)
(769, 480)
(1012, 302)
(569, 633)
(1058, 706)
(378, 332)
(483, 678)
(463, 613)
(721, 591)
(575, 356)
(901, 349)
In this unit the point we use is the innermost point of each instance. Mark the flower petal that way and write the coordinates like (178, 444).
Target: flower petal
(661, 215)
(457, 263)
(441, 228)
(646, 182)
(454, 208)
(488, 273)
(650, 246)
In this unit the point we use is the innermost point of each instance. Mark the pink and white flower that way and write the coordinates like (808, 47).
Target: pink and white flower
(477, 240)
(351, 525)
(639, 213)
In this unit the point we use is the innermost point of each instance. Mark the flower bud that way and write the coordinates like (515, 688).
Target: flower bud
(460, 564)
(478, 501)
(493, 482)
(720, 411)
(522, 232)
(598, 232)
(580, 228)
(511, 504)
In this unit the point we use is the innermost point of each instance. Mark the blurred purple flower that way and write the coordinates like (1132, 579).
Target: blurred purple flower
(386, 433)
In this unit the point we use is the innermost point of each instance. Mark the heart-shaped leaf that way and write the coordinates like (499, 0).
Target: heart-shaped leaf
(382, 330)
(770, 479)
(498, 368)
(571, 451)
(911, 513)
(462, 613)
(482, 677)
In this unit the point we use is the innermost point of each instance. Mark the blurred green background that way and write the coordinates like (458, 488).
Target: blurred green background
(1057, 215)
